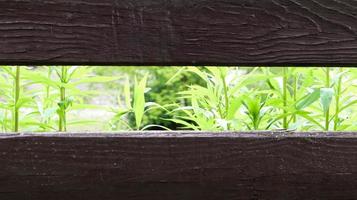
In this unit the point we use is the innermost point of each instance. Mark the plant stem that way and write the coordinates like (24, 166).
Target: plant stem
(226, 101)
(16, 99)
(327, 114)
(285, 90)
(62, 117)
(337, 99)
(295, 84)
(46, 101)
(63, 121)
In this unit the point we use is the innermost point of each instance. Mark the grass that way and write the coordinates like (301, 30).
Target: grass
(54, 98)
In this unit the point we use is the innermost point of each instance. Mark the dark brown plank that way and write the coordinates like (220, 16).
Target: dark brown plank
(168, 32)
(179, 165)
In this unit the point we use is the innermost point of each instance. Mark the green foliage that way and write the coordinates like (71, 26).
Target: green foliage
(272, 98)
(60, 94)
(255, 110)
(165, 85)
(58, 98)
(13, 100)
(216, 105)
(134, 104)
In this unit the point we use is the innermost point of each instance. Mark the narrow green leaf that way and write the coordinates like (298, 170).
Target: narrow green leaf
(308, 100)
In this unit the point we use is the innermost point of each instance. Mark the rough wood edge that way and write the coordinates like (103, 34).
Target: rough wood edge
(188, 134)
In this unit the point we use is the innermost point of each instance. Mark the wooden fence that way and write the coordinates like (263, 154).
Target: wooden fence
(179, 165)
(171, 32)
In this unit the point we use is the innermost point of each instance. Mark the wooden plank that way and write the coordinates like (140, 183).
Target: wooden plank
(179, 165)
(171, 32)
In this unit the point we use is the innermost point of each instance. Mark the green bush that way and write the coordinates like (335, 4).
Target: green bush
(164, 90)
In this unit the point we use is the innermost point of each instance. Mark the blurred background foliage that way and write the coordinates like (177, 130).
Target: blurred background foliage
(164, 83)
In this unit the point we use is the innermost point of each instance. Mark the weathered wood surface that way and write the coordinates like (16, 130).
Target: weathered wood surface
(168, 32)
(179, 166)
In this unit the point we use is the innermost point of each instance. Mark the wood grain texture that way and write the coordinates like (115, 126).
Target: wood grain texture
(179, 165)
(170, 32)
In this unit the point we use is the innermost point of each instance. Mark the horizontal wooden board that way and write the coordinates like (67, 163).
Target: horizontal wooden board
(178, 32)
(179, 165)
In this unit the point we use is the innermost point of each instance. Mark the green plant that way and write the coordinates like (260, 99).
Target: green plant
(285, 98)
(134, 104)
(14, 99)
(209, 109)
(64, 102)
(292, 93)
(48, 98)
(6, 92)
(326, 97)
(344, 86)
(256, 111)
(45, 103)
(312, 95)
(217, 104)
(66, 80)
(165, 91)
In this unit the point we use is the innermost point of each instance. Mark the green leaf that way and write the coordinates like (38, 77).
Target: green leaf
(326, 95)
(41, 79)
(310, 119)
(175, 75)
(153, 105)
(139, 100)
(234, 106)
(23, 101)
(348, 105)
(308, 100)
